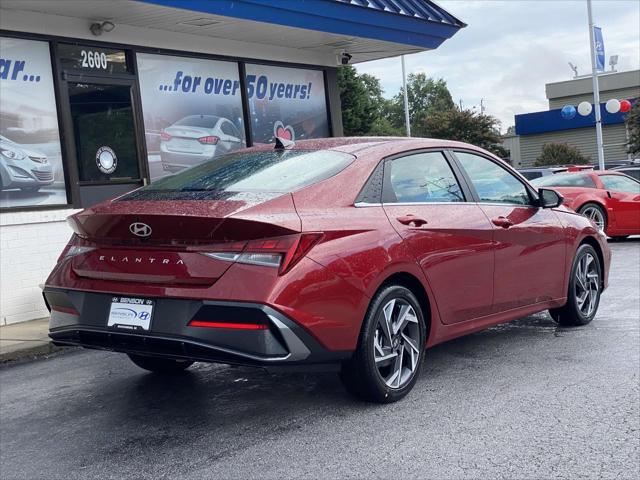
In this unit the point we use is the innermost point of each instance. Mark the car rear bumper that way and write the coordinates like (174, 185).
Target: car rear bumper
(80, 319)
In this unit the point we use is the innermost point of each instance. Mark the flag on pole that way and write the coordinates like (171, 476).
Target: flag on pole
(597, 34)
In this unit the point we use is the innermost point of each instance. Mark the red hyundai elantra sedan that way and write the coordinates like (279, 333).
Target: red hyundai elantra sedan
(346, 253)
(611, 199)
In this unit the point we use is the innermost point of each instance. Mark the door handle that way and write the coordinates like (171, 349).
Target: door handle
(411, 220)
(503, 222)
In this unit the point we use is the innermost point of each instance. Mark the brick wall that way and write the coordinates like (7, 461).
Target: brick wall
(30, 243)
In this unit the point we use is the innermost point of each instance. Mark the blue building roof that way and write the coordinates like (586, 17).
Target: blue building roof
(419, 23)
(423, 9)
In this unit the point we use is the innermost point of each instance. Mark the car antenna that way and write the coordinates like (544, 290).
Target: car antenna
(284, 144)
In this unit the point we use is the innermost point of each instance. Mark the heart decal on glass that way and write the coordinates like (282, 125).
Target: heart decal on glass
(280, 131)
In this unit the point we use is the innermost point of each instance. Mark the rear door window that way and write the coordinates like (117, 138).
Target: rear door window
(422, 178)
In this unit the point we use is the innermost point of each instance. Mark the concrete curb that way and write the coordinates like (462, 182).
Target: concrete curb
(32, 352)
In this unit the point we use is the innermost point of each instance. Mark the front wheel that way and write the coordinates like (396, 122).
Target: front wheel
(385, 366)
(160, 365)
(585, 286)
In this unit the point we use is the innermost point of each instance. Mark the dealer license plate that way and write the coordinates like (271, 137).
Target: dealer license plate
(130, 313)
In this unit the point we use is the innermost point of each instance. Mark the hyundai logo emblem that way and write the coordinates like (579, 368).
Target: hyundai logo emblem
(140, 229)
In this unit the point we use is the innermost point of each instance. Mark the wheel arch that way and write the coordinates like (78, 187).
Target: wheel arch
(411, 282)
(591, 241)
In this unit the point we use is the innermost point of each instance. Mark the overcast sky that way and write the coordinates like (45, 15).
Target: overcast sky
(511, 48)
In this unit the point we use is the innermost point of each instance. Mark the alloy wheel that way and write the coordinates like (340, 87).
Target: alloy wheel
(397, 343)
(587, 284)
(595, 215)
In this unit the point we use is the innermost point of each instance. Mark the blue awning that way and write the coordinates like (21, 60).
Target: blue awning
(552, 121)
(418, 23)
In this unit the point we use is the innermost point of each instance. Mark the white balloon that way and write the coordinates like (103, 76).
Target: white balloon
(585, 108)
(613, 106)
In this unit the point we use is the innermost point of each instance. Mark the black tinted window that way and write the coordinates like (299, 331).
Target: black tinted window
(423, 177)
(493, 183)
(267, 171)
(204, 121)
(531, 175)
(566, 180)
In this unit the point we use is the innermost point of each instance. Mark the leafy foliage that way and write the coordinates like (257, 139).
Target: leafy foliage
(363, 105)
(560, 154)
(426, 96)
(633, 124)
(466, 126)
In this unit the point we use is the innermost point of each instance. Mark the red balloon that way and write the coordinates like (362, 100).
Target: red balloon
(625, 106)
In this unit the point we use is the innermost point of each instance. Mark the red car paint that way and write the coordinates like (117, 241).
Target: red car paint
(622, 208)
(474, 273)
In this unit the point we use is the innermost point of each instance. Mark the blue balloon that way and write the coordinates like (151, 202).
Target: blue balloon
(568, 112)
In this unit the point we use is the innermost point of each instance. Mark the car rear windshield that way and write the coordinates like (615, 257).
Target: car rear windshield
(204, 121)
(264, 171)
(565, 180)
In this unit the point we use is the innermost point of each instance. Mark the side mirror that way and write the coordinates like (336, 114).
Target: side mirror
(549, 198)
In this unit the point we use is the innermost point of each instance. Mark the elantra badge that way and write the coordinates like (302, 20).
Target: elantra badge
(140, 229)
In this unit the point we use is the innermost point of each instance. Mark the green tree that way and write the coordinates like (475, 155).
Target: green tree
(363, 105)
(560, 154)
(466, 126)
(633, 125)
(425, 97)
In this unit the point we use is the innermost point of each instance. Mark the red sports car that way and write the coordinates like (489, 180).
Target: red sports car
(347, 253)
(611, 199)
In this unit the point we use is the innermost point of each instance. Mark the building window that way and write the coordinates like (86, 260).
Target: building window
(192, 109)
(286, 102)
(30, 153)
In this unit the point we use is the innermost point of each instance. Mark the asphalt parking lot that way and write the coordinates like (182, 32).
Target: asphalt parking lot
(522, 400)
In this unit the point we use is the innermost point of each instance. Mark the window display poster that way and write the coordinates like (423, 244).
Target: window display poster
(192, 109)
(31, 167)
(286, 102)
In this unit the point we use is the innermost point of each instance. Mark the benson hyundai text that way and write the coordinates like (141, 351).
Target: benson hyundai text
(352, 253)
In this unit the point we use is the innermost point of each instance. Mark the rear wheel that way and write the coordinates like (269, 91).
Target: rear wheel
(160, 365)
(385, 366)
(595, 213)
(585, 285)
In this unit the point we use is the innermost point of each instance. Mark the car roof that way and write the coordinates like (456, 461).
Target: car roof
(355, 145)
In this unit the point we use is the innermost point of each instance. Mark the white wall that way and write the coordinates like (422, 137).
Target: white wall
(57, 25)
(30, 243)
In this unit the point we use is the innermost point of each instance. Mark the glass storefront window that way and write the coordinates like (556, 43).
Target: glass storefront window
(31, 172)
(286, 102)
(192, 109)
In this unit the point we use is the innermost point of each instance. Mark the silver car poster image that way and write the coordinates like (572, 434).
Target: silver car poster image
(286, 102)
(192, 110)
(30, 154)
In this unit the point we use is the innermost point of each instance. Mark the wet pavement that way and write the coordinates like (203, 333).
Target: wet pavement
(522, 400)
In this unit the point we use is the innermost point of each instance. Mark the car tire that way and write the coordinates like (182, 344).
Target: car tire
(160, 365)
(596, 213)
(581, 307)
(387, 361)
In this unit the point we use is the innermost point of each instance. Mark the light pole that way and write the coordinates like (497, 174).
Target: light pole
(596, 90)
(406, 99)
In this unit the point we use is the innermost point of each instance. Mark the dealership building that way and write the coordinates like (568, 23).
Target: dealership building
(100, 97)
(534, 130)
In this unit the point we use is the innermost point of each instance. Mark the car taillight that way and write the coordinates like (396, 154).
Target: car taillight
(74, 247)
(282, 252)
(209, 140)
(164, 136)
